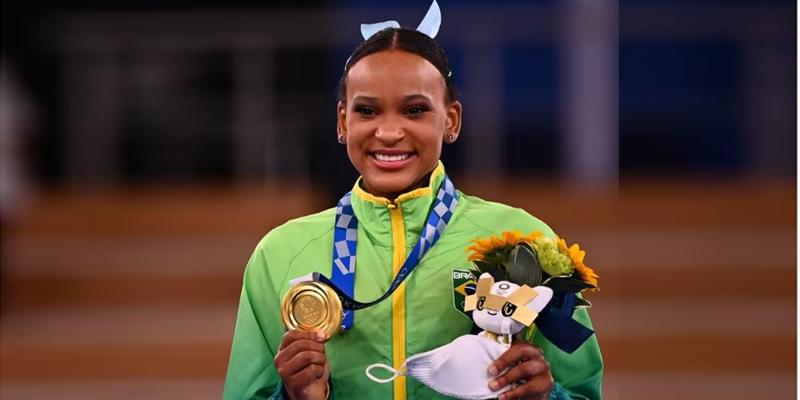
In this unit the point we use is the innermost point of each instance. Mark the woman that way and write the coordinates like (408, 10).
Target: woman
(397, 107)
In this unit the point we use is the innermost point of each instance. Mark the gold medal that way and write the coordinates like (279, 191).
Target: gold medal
(312, 306)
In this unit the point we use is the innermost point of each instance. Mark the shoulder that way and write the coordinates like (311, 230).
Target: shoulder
(293, 236)
(498, 217)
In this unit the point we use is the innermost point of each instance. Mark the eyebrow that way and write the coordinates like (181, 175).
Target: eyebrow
(412, 97)
(365, 99)
(371, 99)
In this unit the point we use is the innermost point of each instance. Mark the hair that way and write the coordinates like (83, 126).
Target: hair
(407, 40)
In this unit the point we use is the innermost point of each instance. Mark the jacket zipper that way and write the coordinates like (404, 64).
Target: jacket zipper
(398, 299)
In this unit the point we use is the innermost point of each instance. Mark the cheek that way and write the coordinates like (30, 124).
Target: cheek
(485, 321)
(354, 154)
(357, 134)
(480, 318)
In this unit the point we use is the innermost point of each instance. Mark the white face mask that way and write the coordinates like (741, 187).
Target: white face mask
(458, 369)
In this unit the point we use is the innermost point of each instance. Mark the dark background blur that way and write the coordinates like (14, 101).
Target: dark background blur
(147, 147)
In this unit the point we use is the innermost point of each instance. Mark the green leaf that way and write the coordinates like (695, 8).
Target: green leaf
(523, 267)
(573, 285)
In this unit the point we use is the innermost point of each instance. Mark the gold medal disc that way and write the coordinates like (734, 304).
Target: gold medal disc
(312, 306)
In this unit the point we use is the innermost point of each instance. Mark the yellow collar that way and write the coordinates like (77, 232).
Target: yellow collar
(377, 215)
(435, 178)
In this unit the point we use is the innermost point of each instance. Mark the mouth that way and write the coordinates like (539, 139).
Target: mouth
(391, 159)
(491, 313)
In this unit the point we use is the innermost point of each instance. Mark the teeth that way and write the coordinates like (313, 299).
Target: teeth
(387, 157)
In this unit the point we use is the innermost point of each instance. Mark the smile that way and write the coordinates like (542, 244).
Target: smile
(391, 157)
(392, 160)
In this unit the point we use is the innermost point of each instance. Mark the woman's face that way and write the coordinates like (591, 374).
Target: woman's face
(395, 118)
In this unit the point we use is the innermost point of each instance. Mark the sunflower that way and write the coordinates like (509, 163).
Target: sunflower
(553, 257)
(498, 247)
(577, 255)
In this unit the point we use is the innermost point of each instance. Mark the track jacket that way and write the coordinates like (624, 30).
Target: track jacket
(421, 315)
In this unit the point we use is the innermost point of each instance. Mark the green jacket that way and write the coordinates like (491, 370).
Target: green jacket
(420, 316)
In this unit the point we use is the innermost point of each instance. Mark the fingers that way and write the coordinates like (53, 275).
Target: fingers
(306, 376)
(522, 363)
(519, 351)
(296, 347)
(525, 371)
(301, 361)
(302, 364)
(299, 350)
(536, 388)
(296, 334)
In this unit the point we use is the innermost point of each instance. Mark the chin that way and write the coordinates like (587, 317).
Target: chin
(385, 186)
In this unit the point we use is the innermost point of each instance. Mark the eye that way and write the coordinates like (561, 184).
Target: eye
(417, 110)
(508, 309)
(481, 300)
(365, 111)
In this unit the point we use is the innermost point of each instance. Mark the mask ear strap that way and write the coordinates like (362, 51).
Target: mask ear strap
(395, 372)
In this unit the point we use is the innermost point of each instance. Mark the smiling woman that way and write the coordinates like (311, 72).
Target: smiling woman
(394, 119)
(397, 107)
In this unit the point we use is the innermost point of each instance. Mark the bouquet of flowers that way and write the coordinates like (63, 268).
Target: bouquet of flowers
(536, 259)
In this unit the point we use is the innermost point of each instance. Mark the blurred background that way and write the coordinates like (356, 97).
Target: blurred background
(147, 147)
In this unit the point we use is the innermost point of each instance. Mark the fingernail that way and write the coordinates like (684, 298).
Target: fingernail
(320, 336)
(493, 385)
(492, 370)
(501, 397)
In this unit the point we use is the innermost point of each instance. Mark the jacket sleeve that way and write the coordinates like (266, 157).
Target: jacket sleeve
(580, 374)
(251, 372)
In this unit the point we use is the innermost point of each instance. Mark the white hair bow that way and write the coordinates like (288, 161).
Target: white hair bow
(429, 25)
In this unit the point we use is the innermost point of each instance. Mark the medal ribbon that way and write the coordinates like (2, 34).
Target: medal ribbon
(344, 248)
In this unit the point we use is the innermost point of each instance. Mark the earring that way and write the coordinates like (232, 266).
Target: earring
(341, 139)
(450, 138)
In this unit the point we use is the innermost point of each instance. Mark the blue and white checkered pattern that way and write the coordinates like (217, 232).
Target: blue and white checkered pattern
(344, 237)
(443, 208)
(344, 247)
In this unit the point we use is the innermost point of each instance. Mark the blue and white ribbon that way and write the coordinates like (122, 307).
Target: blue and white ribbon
(429, 25)
(345, 236)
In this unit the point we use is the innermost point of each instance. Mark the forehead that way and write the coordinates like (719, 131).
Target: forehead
(394, 72)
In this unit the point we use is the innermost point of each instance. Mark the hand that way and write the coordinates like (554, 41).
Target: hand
(302, 365)
(527, 365)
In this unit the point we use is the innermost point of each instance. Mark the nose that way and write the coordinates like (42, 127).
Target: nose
(390, 132)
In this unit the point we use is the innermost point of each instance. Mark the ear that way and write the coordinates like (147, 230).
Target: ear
(341, 118)
(485, 283)
(540, 302)
(453, 123)
(486, 277)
